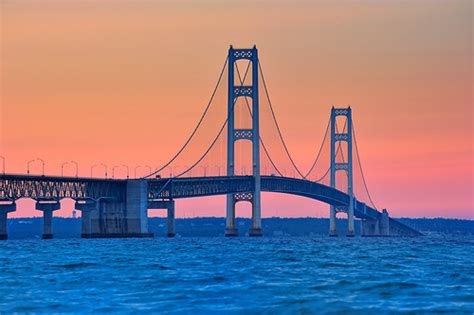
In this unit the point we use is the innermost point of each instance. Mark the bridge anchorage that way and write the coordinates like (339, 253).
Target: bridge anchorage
(119, 207)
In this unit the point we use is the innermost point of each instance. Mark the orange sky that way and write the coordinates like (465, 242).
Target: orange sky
(109, 81)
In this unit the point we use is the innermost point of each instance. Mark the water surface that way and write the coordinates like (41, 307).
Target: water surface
(239, 275)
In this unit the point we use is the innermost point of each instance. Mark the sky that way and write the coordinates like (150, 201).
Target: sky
(124, 82)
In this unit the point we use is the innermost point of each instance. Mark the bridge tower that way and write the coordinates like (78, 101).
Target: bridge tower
(345, 166)
(253, 135)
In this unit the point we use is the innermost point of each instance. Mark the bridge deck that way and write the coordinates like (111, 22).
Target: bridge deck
(16, 186)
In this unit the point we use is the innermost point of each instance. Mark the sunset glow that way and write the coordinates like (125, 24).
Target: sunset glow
(124, 82)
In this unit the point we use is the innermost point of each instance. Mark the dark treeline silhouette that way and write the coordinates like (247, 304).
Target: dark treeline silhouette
(30, 228)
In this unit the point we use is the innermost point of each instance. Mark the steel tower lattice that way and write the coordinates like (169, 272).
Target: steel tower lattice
(345, 166)
(253, 135)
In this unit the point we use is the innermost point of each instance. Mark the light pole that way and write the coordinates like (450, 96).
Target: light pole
(128, 170)
(42, 163)
(138, 166)
(28, 166)
(218, 170)
(62, 167)
(3, 164)
(77, 168)
(31, 161)
(101, 164)
(113, 170)
(116, 166)
(204, 168)
(173, 169)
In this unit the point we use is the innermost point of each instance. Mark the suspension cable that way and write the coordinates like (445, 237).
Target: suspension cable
(339, 149)
(360, 167)
(320, 150)
(264, 147)
(197, 126)
(276, 122)
(324, 176)
(218, 134)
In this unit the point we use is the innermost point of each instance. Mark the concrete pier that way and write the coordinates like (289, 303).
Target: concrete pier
(137, 208)
(369, 227)
(350, 218)
(107, 217)
(256, 229)
(5, 208)
(169, 205)
(332, 221)
(48, 207)
(378, 227)
(170, 219)
(230, 228)
(86, 207)
(384, 224)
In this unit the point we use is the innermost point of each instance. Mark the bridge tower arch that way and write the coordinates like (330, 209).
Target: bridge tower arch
(345, 166)
(253, 135)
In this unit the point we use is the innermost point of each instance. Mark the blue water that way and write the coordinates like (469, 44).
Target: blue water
(241, 275)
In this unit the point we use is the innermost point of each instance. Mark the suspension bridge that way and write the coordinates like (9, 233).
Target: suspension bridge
(118, 207)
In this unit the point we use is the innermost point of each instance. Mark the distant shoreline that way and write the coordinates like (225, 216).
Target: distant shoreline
(31, 227)
(267, 218)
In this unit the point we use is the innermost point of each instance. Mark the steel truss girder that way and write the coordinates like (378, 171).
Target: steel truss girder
(14, 187)
(54, 188)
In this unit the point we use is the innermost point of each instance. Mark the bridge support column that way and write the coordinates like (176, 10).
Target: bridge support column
(169, 205)
(5, 208)
(230, 228)
(137, 208)
(350, 218)
(86, 207)
(376, 227)
(256, 229)
(48, 207)
(369, 227)
(95, 218)
(332, 221)
(384, 224)
(170, 219)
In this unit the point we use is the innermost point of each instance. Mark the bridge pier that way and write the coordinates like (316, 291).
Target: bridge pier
(86, 207)
(106, 220)
(230, 228)
(350, 218)
(5, 208)
(170, 219)
(169, 205)
(332, 221)
(384, 225)
(376, 227)
(48, 207)
(256, 229)
(110, 218)
(137, 208)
